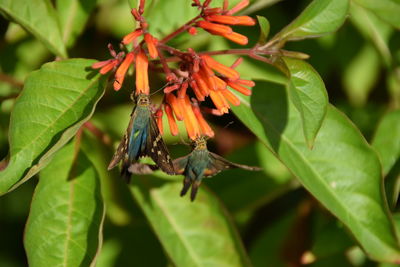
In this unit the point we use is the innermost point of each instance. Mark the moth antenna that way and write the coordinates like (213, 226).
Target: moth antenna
(183, 141)
(132, 96)
(228, 124)
(158, 90)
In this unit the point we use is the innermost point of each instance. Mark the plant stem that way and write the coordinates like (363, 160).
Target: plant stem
(183, 28)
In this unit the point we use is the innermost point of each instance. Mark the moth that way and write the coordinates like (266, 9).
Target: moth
(202, 163)
(142, 139)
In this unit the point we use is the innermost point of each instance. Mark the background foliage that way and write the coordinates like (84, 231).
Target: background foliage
(328, 192)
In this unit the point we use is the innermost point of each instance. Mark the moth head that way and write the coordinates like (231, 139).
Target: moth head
(143, 100)
(200, 143)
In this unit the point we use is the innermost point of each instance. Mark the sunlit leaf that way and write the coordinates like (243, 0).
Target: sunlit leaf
(387, 143)
(372, 28)
(39, 18)
(341, 170)
(308, 94)
(387, 10)
(65, 221)
(387, 140)
(55, 102)
(192, 234)
(264, 29)
(73, 15)
(320, 17)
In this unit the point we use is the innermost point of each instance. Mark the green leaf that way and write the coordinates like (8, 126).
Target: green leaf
(387, 10)
(387, 143)
(341, 171)
(254, 188)
(374, 29)
(387, 140)
(264, 29)
(73, 15)
(55, 102)
(266, 250)
(320, 17)
(361, 74)
(65, 221)
(192, 234)
(39, 18)
(308, 94)
(133, 3)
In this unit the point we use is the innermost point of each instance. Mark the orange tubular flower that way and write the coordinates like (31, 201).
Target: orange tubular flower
(192, 31)
(237, 38)
(246, 83)
(213, 111)
(224, 70)
(151, 45)
(216, 28)
(197, 91)
(159, 117)
(219, 103)
(129, 38)
(221, 85)
(239, 88)
(205, 128)
(121, 71)
(142, 78)
(230, 97)
(231, 20)
(209, 80)
(171, 88)
(201, 84)
(176, 107)
(106, 65)
(191, 123)
(223, 99)
(173, 127)
(245, 21)
(182, 91)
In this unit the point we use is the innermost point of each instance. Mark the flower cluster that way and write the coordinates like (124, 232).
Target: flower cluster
(198, 75)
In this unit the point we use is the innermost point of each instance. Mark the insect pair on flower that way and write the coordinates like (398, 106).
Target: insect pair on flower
(192, 77)
(143, 139)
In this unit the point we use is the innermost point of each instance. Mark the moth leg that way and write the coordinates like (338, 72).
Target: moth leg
(195, 187)
(186, 185)
(125, 174)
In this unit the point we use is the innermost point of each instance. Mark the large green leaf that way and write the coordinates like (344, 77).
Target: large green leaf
(193, 234)
(55, 102)
(374, 29)
(39, 18)
(387, 140)
(387, 143)
(320, 17)
(341, 170)
(65, 221)
(387, 10)
(73, 15)
(257, 188)
(308, 94)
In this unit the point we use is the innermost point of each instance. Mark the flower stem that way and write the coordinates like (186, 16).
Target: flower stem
(183, 28)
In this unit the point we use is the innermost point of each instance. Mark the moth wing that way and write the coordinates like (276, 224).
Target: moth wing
(180, 164)
(140, 168)
(218, 164)
(122, 149)
(157, 150)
